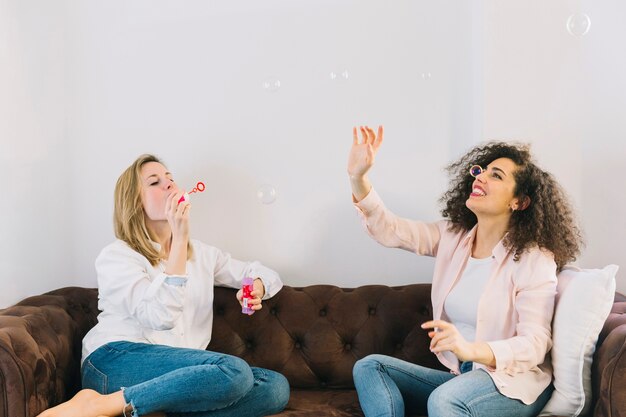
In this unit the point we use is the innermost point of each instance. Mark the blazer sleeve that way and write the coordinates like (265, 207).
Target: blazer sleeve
(535, 293)
(396, 232)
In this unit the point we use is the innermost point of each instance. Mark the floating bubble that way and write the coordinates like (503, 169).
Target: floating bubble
(271, 84)
(266, 194)
(343, 76)
(578, 24)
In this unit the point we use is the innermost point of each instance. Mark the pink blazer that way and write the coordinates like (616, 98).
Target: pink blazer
(514, 312)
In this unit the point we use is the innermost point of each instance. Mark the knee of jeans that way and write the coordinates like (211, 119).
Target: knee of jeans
(441, 401)
(278, 392)
(368, 362)
(238, 371)
(270, 392)
(435, 400)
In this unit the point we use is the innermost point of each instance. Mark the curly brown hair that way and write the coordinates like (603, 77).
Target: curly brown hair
(548, 222)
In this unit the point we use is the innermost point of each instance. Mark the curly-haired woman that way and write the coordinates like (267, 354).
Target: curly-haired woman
(507, 229)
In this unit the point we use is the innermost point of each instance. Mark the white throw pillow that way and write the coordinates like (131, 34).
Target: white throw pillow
(584, 301)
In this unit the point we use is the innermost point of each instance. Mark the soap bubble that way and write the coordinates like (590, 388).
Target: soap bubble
(343, 76)
(271, 84)
(266, 194)
(578, 24)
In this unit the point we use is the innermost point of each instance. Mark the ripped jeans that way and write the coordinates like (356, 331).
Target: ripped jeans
(184, 382)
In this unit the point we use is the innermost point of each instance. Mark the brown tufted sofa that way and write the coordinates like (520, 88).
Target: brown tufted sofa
(313, 335)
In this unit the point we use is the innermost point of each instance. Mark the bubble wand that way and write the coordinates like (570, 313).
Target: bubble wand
(197, 189)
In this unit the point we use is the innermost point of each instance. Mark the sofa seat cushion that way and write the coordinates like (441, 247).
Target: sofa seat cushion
(324, 402)
(314, 403)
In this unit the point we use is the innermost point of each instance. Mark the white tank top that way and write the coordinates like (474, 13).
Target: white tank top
(461, 305)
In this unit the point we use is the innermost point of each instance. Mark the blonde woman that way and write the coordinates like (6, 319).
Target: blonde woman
(146, 355)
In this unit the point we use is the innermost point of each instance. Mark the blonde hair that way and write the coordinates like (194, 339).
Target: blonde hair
(129, 219)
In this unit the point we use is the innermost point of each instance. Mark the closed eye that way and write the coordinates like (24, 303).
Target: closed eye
(157, 181)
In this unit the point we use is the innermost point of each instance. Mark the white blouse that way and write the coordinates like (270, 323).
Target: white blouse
(461, 305)
(139, 303)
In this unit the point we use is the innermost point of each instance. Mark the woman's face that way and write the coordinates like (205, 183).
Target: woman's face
(492, 190)
(157, 185)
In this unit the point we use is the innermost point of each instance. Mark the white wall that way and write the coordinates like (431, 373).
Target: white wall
(568, 95)
(35, 227)
(91, 85)
(186, 83)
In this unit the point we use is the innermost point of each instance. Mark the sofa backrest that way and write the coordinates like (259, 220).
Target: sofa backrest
(314, 335)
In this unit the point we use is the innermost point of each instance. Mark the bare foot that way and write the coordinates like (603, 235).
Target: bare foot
(83, 404)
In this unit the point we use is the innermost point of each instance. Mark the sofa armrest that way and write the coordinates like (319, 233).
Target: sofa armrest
(40, 349)
(609, 364)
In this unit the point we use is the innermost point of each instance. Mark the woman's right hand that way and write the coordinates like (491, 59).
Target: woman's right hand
(178, 218)
(178, 215)
(363, 153)
(361, 159)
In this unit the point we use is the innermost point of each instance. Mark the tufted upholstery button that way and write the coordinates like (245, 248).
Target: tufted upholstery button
(219, 311)
(425, 312)
(372, 311)
(399, 346)
(273, 311)
(348, 346)
(298, 345)
(249, 345)
(323, 384)
(323, 312)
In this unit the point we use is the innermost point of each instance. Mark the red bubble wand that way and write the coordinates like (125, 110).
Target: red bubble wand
(197, 189)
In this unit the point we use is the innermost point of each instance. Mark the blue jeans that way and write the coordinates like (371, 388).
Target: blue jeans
(184, 382)
(390, 387)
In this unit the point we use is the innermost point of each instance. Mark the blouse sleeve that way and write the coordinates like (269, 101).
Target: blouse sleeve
(230, 272)
(123, 279)
(397, 232)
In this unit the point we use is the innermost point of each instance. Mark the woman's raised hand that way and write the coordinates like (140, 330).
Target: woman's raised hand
(361, 159)
(177, 213)
(363, 152)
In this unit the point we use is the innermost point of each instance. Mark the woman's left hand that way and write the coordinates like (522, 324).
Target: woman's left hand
(257, 293)
(446, 337)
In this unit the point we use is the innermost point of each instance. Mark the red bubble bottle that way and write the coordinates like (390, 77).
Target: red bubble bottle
(247, 287)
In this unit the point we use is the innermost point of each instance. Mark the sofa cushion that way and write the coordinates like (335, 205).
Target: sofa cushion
(584, 300)
(314, 335)
(315, 403)
(327, 403)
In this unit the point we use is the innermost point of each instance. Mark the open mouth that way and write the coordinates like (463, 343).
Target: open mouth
(478, 192)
